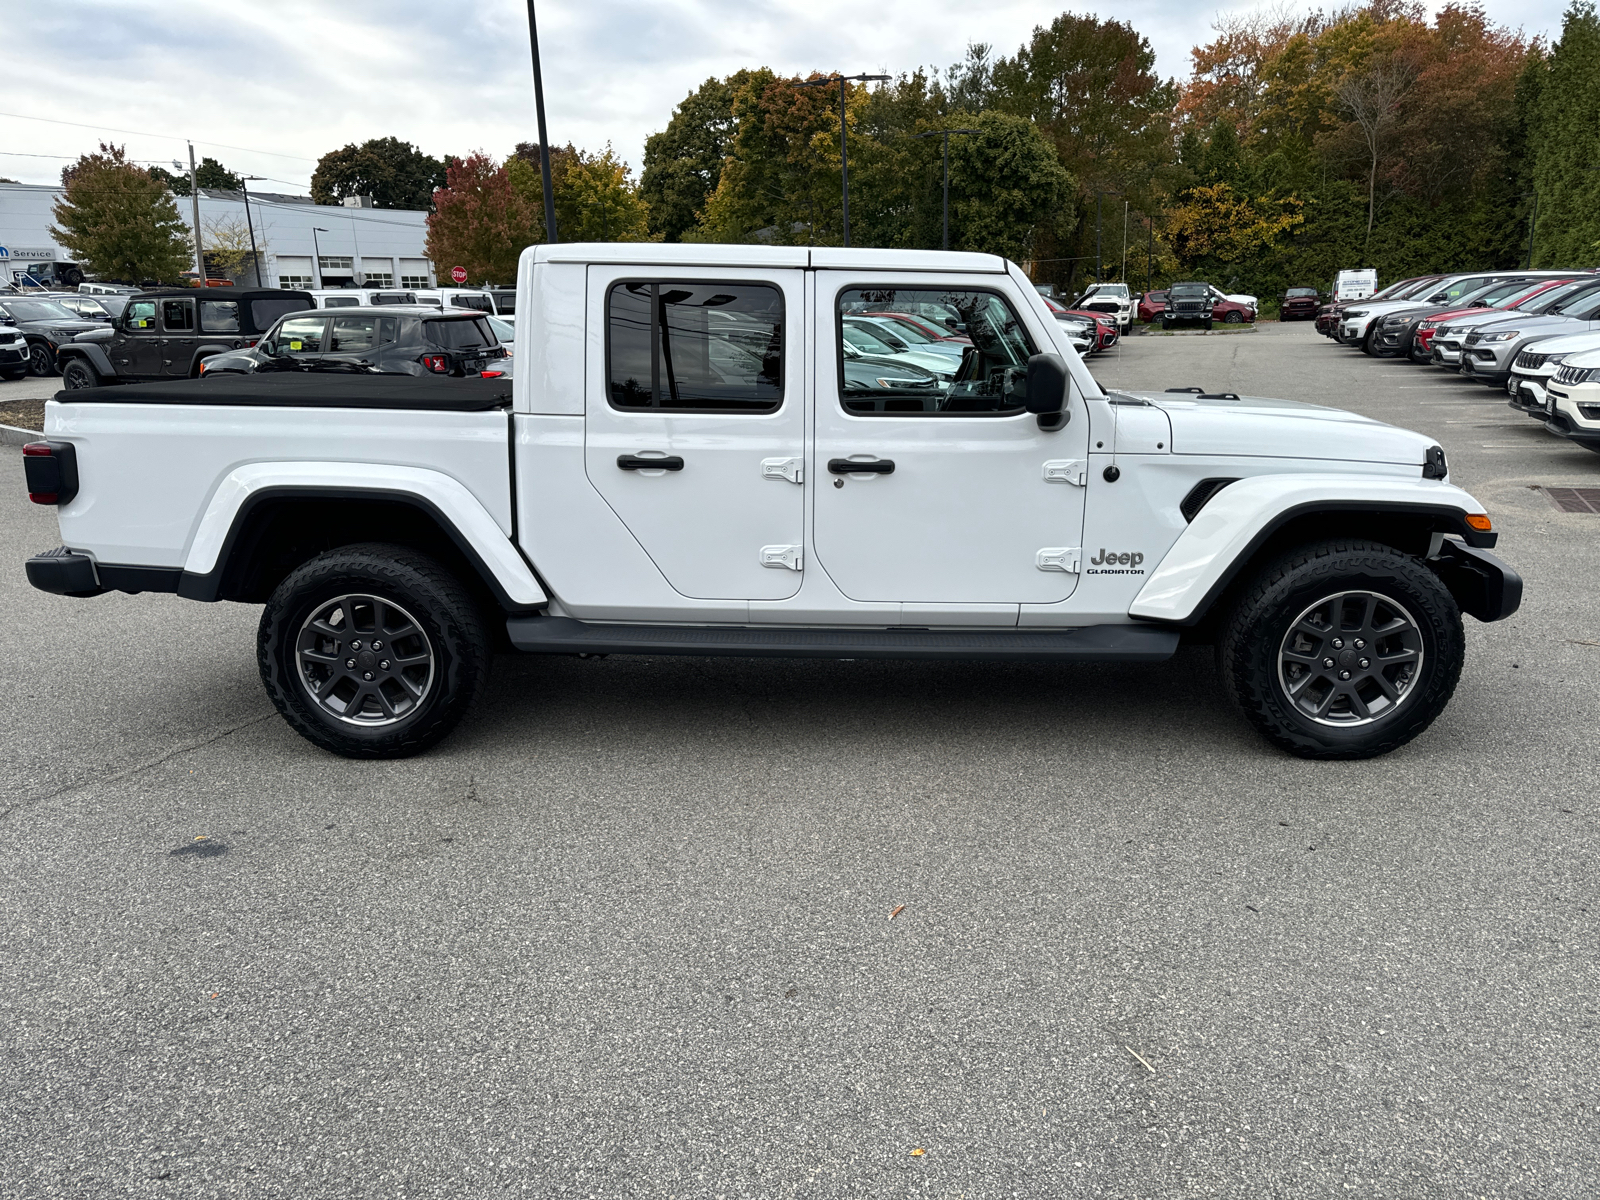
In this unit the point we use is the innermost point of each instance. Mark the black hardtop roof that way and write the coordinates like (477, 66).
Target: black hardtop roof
(310, 389)
(391, 310)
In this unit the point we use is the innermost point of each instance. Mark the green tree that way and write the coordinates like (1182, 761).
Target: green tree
(683, 163)
(208, 173)
(394, 173)
(117, 220)
(480, 221)
(1006, 186)
(1566, 145)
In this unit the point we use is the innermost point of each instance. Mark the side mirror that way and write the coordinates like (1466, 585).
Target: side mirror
(1047, 389)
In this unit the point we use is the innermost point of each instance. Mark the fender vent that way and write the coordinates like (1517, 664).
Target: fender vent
(1200, 495)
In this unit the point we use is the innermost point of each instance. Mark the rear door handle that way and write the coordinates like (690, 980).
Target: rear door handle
(847, 466)
(632, 462)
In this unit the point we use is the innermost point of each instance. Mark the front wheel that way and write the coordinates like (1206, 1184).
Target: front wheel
(372, 651)
(41, 359)
(1166, 324)
(1342, 649)
(79, 374)
(1208, 322)
(1234, 318)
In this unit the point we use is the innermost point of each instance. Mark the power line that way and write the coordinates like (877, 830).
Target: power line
(171, 137)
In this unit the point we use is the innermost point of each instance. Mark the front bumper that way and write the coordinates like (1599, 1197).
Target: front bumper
(1574, 412)
(1482, 584)
(1527, 394)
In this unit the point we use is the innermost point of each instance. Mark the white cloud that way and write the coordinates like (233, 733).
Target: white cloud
(300, 77)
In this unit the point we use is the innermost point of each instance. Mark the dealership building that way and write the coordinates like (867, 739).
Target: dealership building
(300, 244)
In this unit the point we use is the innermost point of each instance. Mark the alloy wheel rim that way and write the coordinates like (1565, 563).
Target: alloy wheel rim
(1350, 659)
(40, 360)
(364, 660)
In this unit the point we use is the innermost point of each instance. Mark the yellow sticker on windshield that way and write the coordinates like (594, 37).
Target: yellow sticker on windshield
(294, 345)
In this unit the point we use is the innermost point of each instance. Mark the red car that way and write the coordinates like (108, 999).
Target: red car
(1105, 324)
(1151, 306)
(921, 329)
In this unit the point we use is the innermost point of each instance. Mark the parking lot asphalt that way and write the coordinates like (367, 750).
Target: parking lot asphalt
(627, 933)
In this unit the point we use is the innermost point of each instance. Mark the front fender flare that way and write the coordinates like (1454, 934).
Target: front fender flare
(458, 511)
(96, 356)
(1242, 516)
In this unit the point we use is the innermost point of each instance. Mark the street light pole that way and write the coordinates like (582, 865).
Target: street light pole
(316, 248)
(255, 261)
(544, 135)
(194, 197)
(945, 134)
(844, 152)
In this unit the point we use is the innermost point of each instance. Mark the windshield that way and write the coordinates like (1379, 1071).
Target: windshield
(1541, 302)
(862, 339)
(1190, 289)
(1296, 292)
(908, 332)
(1573, 305)
(38, 310)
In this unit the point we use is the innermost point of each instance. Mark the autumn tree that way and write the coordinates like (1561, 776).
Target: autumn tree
(480, 221)
(595, 196)
(683, 163)
(119, 222)
(394, 173)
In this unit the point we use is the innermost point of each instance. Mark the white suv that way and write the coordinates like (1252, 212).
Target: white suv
(1574, 406)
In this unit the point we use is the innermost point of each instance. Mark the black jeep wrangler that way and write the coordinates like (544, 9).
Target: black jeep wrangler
(164, 334)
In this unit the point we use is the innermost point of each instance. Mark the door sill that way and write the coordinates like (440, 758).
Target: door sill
(1097, 643)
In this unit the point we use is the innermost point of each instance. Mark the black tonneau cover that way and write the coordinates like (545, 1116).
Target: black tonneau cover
(310, 389)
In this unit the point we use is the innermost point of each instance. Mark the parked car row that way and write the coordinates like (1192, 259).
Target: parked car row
(1195, 302)
(1534, 334)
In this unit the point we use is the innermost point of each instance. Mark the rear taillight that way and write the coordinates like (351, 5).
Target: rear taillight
(491, 374)
(439, 364)
(52, 471)
(249, 342)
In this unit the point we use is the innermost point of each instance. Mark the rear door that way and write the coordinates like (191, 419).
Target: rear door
(943, 492)
(695, 423)
(179, 338)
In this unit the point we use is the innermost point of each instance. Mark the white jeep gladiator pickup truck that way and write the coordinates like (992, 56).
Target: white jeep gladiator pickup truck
(689, 463)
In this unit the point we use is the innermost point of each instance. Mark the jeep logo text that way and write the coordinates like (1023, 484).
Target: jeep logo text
(1110, 559)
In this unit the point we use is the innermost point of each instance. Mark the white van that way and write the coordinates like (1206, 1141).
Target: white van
(361, 297)
(457, 297)
(1354, 285)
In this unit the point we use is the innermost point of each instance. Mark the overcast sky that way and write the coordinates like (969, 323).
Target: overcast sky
(268, 87)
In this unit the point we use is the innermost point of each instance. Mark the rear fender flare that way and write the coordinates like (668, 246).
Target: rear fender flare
(1242, 517)
(458, 512)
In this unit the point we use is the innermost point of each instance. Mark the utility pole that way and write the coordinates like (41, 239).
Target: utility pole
(945, 134)
(1124, 275)
(1099, 275)
(844, 152)
(1533, 220)
(544, 135)
(316, 247)
(355, 263)
(1150, 263)
(255, 261)
(194, 196)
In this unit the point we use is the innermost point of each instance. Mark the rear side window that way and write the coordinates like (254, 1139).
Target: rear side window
(984, 378)
(355, 335)
(265, 311)
(177, 316)
(299, 336)
(219, 316)
(468, 333)
(695, 346)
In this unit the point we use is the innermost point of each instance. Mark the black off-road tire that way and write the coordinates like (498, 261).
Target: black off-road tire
(78, 374)
(1165, 323)
(41, 359)
(1255, 635)
(1208, 323)
(424, 592)
(15, 373)
(1233, 318)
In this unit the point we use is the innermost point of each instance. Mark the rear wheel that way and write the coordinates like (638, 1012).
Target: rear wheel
(372, 651)
(41, 359)
(1343, 649)
(79, 374)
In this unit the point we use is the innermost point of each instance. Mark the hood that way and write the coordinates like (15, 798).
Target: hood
(1259, 426)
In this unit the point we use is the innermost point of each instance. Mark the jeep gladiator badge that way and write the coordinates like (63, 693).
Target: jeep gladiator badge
(1112, 563)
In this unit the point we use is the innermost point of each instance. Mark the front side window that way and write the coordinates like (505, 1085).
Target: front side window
(141, 314)
(219, 316)
(177, 316)
(299, 336)
(695, 346)
(875, 379)
(361, 335)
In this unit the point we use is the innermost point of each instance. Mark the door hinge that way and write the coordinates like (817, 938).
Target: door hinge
(781, 558)
(783, 468)
(1059, 558)
(1065, 470)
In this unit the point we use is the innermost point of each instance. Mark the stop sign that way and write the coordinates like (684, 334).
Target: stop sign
(459, 274)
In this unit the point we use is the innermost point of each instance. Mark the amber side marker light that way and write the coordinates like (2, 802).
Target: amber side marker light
(1480, 522)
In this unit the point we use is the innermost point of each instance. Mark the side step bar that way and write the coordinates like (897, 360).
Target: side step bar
(1098, 643)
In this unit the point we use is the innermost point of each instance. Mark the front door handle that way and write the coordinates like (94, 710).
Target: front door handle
(632, 462)
(847, 466)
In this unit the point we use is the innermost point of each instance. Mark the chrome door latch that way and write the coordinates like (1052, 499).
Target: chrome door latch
(1059, 558)
(1065, 470)
(783, 468)
(781, 558)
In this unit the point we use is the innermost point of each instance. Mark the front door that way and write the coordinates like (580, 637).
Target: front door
(179, 338)
(936, 488)
(136, 346)
(695, 419)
